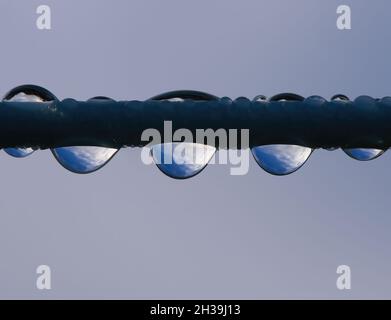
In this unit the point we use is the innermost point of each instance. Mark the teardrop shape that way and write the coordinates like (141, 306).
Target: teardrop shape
(83, 159)
(364, 154)
(182, 160)
(360, 154)
(26, 93)
(19, 152)
(280, 159)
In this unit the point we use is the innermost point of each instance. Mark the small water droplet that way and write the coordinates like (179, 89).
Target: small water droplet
(19, 152)
(85, 159)
(363, 154)
(26, 93)
(281, 159)
(286, 97)
(340, 97)
(259, 98)
(182, 160)
(226, 100)
(316, 100)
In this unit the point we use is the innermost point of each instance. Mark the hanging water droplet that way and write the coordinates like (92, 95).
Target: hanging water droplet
(182, 160)
(363, 154)
(85, 159)
(19, 152)
(26, 93)
(281, 159)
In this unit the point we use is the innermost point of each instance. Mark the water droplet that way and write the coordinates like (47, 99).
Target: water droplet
(185, 94)
(316, 100)
(259, 98)
(85, 159)
(286, 97)
(226, 100)
(182, 160)
(363, 154)
(340, 97)
(281, 159)
(26, 93)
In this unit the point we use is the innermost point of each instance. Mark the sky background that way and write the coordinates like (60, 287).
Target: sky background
(128, 231)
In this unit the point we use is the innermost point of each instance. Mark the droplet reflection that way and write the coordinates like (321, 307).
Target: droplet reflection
(20, 96)
(84, 159)
(182, 160)
(281, 159)
(363, 154)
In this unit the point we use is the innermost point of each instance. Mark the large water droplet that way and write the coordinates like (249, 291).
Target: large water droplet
(26, 93)
(281, 159)
(182, 160)
(85, 159)
(363, 154)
